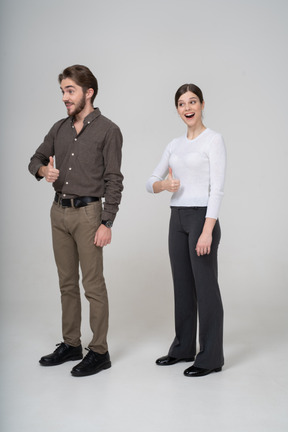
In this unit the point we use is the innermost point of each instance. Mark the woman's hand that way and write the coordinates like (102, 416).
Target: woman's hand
(203, 246)
(169, 184)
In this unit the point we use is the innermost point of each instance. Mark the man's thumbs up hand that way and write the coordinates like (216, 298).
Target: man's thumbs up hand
(51, 161)
(50, 173)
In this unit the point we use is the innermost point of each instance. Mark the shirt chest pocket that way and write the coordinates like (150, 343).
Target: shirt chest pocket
(89, 152)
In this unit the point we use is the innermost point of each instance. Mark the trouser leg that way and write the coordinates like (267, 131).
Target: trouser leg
(185, 303)
(67, 262)
(91, 263)
(210, 308)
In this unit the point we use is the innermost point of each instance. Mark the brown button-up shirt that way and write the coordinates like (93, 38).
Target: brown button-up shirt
(89, 163)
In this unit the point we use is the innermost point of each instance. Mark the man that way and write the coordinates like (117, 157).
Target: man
(87, 149)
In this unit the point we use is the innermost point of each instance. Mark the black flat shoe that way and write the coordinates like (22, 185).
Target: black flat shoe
(62, 354)
(194, 371)
(92, 364)
(168, 360)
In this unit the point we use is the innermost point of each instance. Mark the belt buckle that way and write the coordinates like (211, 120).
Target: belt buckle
(66, 199)
(77, 203)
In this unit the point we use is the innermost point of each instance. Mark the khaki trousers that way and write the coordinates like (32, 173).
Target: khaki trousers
(73, 232)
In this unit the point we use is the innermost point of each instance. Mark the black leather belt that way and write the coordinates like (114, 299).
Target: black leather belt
(75, 202)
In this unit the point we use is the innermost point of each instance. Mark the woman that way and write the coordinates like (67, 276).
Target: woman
(192, 168)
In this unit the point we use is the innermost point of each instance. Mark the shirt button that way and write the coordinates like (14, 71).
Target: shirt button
(67, 183)
(64, 194)
(88, 122)
(72, 154)
(75, 139)
(70, 169)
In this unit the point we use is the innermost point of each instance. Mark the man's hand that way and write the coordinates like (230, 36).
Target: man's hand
(50, 173)
(103, 236)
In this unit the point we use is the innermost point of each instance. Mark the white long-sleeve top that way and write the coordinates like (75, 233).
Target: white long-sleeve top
(200, 165)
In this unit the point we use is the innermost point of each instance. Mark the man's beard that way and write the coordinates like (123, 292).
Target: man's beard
(80, 106)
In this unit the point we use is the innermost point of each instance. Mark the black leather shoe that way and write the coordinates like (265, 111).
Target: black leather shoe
(62, 354)
(168, 360)
(92, 364)
(194, 371)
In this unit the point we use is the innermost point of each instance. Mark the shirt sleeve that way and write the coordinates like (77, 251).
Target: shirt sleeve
(113, 178)
(161, 171)
(217, 162)
(42, 154)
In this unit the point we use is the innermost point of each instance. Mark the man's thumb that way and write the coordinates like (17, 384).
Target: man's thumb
(170, 172)
(51, 161)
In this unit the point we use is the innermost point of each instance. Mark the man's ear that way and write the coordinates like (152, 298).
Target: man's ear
(89, 93)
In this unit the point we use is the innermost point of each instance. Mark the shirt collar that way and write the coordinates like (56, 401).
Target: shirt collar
(90, 117)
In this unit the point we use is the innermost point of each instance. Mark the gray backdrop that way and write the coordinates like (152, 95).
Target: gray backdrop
(141, 52)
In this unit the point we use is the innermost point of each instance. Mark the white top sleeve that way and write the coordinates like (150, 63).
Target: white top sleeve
(217, 163)
(161, 170)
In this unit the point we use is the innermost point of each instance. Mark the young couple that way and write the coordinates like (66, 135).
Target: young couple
(81, 157)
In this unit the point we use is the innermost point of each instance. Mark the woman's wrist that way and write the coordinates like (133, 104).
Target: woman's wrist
(209, 226)
(159, 186)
